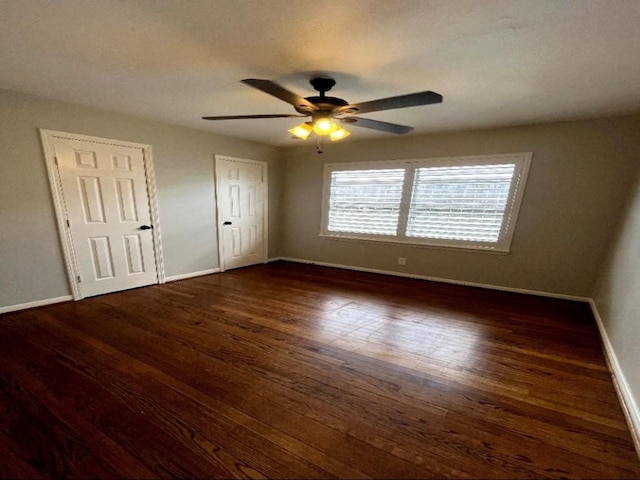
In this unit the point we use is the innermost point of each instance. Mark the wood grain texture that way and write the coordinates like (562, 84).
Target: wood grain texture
(299, 371)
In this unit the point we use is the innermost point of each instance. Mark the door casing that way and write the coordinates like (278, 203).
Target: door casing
(47, 137)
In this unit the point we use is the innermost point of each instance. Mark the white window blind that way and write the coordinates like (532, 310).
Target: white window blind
(366, 201)
(462, 202)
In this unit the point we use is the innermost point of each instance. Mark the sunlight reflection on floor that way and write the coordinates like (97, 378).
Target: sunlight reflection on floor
(387, 333)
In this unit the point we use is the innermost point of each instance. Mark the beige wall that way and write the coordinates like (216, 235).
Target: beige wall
(617, 298)
(31, 262)
(580, 176)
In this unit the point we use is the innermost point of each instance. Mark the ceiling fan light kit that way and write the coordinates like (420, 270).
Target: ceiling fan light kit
(339, 134)
(302, 131)
(324, 110)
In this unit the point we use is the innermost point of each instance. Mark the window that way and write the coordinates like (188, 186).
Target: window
(366, 201)
(466, 202)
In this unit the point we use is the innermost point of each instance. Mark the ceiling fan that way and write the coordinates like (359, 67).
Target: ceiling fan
(323, 109)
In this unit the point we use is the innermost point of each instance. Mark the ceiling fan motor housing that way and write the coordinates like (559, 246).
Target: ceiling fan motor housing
(326, 105)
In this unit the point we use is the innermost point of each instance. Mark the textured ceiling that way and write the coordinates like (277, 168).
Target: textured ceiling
(495, 62)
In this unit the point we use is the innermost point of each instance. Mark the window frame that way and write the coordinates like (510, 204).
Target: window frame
(521, 160)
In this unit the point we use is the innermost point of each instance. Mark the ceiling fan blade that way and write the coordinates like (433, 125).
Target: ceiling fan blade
(402, 101)
(377, 125)
(272, 88)
(244, 117)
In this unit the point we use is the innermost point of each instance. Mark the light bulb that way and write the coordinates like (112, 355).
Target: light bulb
(324, 126)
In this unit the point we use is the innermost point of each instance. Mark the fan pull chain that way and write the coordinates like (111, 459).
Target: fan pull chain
(319, 145)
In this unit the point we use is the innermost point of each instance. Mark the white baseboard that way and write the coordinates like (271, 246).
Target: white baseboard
(37, 303)
(437, 279)
(274, 259)
(184, 276)
(628, 402)
(67, 298)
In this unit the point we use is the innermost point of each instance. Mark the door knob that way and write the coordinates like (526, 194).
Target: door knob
(227, 223)
(146, 227)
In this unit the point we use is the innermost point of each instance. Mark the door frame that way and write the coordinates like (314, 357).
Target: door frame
(47, 138)
(265, 205)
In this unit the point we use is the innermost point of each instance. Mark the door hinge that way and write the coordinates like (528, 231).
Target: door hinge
(55, 159)
(79, 279)
(68, 223)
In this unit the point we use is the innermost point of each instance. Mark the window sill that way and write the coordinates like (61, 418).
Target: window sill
(409, 243)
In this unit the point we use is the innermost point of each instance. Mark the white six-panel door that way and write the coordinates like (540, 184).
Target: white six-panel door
(241, 194)
(104, 189)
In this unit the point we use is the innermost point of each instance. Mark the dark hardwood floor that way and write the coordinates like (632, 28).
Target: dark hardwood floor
(299, 371)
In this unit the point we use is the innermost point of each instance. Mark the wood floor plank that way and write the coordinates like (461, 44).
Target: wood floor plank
(220, 374)
(300, 371)
(353, 380)
(175, 415)
(45, 441)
